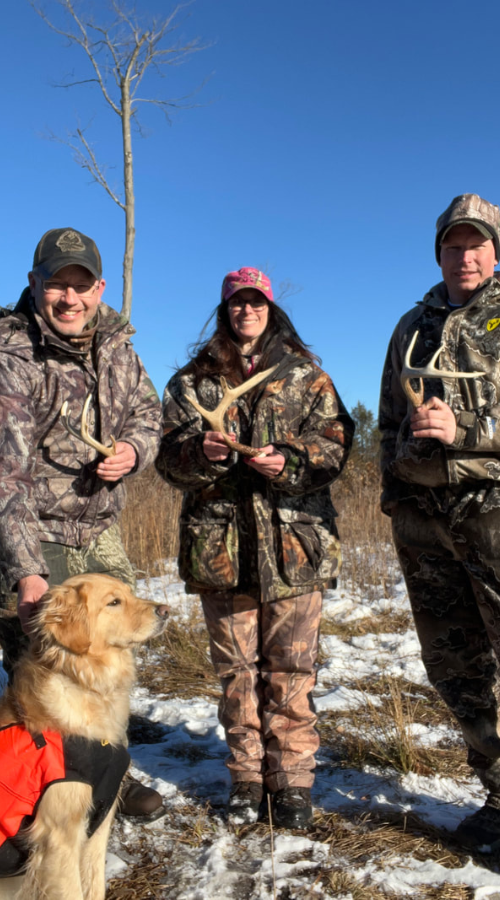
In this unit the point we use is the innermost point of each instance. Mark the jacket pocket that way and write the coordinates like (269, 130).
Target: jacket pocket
(208, 554)
(308, 548)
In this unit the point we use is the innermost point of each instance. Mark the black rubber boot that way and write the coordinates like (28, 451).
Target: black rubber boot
(292, 807)
(481, 830)
(244, 803)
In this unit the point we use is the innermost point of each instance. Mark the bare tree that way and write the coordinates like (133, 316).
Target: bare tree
(120, 52)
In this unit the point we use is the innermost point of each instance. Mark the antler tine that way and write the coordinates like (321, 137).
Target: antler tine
(215, 417)
(430, 370)
(83, 434)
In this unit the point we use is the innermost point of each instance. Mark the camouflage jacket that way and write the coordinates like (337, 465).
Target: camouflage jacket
(239, 530)
(49, 490)
(471, 342)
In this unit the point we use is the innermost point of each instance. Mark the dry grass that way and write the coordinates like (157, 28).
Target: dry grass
(369, 560)
(178, 663)
(385, 623)
(382, 735)
(150, 522)
(369, 838)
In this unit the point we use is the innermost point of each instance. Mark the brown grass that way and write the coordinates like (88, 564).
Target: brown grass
(381, 735)
(150, 522)
(185, 669)
(369, 559)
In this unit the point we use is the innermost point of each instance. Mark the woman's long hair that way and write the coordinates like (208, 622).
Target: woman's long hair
(220, 354)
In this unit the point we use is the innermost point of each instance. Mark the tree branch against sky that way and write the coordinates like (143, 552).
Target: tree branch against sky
(119, 49)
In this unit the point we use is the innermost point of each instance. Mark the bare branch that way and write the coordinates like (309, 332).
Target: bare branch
(84, 156)
(70, 84)
(82, 41)
(96, 170)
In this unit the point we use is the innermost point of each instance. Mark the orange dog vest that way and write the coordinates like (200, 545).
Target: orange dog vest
(29, 764)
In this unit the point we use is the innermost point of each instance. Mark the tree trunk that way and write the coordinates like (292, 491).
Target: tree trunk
(128, 179)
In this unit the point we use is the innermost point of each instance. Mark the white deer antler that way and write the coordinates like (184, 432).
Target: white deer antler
(408, 371)
(83, 434)
(215, 417)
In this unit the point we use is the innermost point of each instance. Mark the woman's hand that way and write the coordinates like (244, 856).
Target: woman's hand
(271, 464)
(214, 446)
(434, 419)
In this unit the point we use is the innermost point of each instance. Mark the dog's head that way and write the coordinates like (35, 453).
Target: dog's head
(90, 613)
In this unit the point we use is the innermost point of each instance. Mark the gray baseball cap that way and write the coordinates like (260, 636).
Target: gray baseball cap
(470, 209)
(61, 247)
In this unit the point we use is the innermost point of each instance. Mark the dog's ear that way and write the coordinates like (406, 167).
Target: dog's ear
(64, 614)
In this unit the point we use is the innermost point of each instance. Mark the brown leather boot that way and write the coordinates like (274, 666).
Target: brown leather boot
(140, 802)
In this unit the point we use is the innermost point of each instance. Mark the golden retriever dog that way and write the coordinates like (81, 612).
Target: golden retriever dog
(71, 691)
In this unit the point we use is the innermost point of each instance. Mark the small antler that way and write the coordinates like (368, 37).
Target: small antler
(83, 434)
(215, 417)
(416, 398)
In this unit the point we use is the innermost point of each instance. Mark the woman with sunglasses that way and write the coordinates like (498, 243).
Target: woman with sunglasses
(258, 539)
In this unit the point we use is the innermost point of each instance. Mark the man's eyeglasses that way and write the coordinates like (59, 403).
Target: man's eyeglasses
(61, 287)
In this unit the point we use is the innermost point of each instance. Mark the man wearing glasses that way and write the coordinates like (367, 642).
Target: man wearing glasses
(60, 499)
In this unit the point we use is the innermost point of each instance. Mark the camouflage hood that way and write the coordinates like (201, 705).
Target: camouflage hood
(239, 530)
(49, 489)
(470, 336)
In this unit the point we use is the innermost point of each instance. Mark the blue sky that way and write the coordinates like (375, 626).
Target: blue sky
(326, 141)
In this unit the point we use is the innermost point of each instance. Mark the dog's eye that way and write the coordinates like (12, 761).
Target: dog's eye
(115, 602)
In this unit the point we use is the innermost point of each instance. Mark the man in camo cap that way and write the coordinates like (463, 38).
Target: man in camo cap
(441, 485)
(60, 499)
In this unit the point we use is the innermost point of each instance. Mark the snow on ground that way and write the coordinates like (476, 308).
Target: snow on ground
(186, 764)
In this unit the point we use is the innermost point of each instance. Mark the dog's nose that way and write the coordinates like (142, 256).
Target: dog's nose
(162, 611)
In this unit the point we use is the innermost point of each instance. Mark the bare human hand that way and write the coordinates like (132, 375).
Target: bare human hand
(112, 468)
(29, 592)
(270, 464)
(214, 446)
(434, 419)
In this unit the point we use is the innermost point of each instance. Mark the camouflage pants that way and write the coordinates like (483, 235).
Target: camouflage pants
(265, 656)
(452, 572)
(105, 554)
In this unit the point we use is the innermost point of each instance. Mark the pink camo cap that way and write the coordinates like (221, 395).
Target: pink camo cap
(246, 278)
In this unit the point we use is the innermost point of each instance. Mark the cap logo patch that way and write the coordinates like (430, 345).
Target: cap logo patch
(69, 242)
(492, 324)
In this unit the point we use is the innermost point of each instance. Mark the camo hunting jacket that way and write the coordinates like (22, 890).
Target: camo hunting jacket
(49, 490)
(243, 532)
(470, 336)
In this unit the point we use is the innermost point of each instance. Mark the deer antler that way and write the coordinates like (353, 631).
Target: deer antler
(215, 417)
(83, 434)
(416, 398)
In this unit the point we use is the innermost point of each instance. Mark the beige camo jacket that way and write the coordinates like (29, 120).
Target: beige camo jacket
(49, 490)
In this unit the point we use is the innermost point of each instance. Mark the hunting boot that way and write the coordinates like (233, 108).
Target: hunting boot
(140, 802)
(244, 803)
(292, 807)
(481, 830)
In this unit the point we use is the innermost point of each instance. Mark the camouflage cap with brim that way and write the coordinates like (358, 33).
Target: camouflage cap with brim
(470, 209)
(62, 247)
